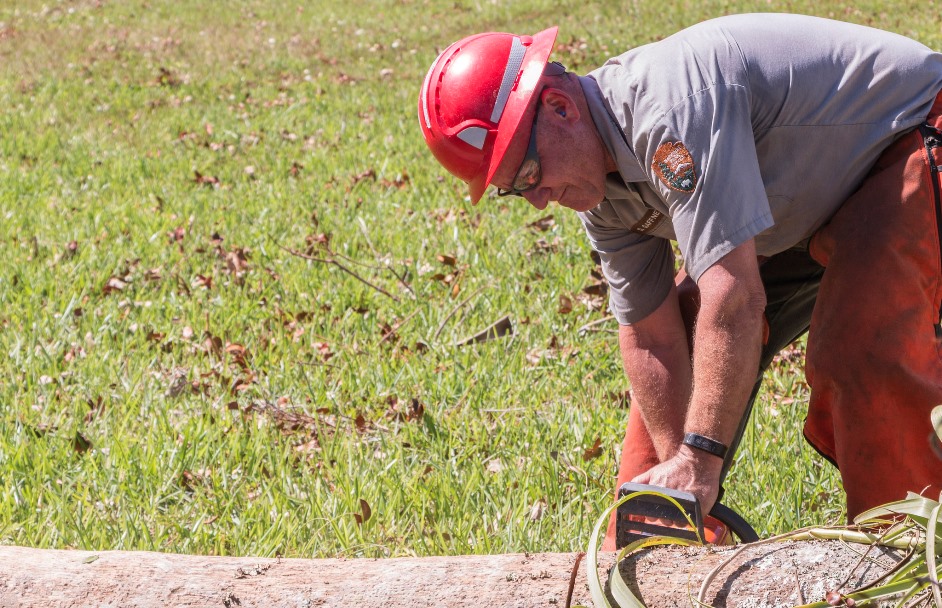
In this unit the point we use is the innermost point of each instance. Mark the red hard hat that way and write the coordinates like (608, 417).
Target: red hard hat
(473, 99)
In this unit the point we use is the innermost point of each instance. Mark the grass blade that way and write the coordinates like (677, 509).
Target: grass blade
(592, 568)
(931, 555)
(937, 420)
(622, 593)
(905, 586)
(910, 570)
(620, 590)
(916, 506)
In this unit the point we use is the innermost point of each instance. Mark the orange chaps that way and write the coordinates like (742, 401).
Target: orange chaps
(874, 360)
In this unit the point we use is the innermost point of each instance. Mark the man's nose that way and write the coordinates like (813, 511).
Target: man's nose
(538, 197)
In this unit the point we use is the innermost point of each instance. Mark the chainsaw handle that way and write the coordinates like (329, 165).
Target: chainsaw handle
(634, 517)
(739, 526)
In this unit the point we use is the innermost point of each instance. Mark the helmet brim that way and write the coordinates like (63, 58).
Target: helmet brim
(534, 62)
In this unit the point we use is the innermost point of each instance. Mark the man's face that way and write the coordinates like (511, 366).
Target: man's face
(567, 164)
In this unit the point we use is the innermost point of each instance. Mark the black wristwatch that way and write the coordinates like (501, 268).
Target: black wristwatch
(711, 446)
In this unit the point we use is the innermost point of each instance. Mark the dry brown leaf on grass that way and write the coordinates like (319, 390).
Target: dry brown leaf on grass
(365, 513)
(535, 355)
(390, 332)
(204, 281)
(565, 304)
(95, 407)
(399, 182)
(542, 246)
(177, 234)
(500, 328)
(537, 510)
(80, 443)
(318, 240)
(543, 224)
(206, 180)
(237, 260)
(74, 352)
(288, 419)
(322, 349)
(362, 176)
(594, 452)
(592, 303)
(413, 411)
(113, 284)
(166, 78)
(179, 381)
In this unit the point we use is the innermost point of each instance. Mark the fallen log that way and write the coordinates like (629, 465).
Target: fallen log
(113, 579)
(777, 574)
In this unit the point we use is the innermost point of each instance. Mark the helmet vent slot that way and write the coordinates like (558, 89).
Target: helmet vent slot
(514, 61)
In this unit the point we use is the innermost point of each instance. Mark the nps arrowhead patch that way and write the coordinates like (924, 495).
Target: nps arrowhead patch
(674, 166)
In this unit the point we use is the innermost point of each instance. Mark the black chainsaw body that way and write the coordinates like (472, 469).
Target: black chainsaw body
(634, 517)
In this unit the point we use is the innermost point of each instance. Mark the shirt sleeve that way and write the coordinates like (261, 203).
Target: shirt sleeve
(701, 157)
(639, 268)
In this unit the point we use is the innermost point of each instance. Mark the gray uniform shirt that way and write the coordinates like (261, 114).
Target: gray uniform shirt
(747, 126)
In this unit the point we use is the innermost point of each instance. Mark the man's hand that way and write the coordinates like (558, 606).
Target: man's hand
(690, 470)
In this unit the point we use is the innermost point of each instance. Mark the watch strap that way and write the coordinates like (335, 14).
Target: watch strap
(703, 443)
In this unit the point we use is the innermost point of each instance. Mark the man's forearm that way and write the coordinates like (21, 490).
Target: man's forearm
(657, 361)
(661, 390)
(727, 348)
(727, 344)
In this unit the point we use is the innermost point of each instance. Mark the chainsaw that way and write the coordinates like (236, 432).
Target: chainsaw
(635, 518)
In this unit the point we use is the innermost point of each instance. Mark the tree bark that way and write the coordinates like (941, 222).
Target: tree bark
(765, 575)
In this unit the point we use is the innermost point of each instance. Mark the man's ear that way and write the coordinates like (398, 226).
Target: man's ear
(560, 104)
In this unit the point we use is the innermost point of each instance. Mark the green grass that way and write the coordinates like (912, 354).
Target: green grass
(224, 396)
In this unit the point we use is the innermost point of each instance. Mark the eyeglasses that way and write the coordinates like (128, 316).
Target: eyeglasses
(530, 172)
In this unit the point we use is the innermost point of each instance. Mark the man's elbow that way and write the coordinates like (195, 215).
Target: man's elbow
(754, 301)
(739, 304)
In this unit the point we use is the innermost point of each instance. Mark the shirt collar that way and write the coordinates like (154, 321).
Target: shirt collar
(612, 133)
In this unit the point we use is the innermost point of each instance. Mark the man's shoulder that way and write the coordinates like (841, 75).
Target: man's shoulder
(654, 77)
(734, 44)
